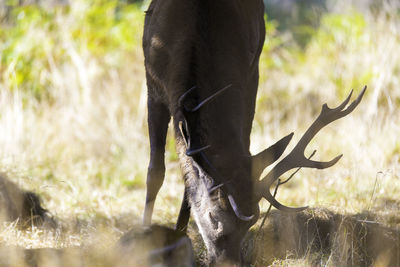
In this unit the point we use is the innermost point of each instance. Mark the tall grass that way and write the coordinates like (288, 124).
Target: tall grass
(348, 50)
(80, 127)
(73, 113)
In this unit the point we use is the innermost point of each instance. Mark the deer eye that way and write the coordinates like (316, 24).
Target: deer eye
(222, 200)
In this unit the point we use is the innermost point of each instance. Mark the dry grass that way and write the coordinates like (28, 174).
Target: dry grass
(86, 152)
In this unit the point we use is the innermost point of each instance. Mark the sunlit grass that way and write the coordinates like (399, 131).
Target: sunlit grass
(84, 147)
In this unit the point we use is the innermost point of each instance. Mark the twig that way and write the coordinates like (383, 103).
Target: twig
(374, 189)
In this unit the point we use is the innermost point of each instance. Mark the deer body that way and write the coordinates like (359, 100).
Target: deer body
(201, 59)
(210, 45)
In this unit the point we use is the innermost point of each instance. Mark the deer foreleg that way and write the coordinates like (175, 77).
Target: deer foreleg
(158, 119)
(184, 214)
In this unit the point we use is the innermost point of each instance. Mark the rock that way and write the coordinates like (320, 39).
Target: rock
(24, 206)
(156, 246)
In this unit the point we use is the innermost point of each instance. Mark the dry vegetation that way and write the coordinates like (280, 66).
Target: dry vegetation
(73, 129)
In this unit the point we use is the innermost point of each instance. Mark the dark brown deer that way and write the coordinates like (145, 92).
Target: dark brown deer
(201, 59)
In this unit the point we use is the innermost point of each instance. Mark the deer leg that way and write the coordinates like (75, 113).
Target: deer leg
(184, 214)
(158, 119)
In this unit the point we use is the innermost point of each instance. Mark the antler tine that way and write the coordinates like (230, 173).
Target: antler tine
(215, 187)
(327, 116)
(355, 103)
(183, 97)
(321, 164)
(229, 190)
(193, 151)
(267, 195)
(343, 105)
(183, 126)
(237, 211)
(296, 157)
(269, 156)
(210, 98)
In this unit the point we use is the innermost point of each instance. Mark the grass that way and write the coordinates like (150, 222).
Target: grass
(73, 119)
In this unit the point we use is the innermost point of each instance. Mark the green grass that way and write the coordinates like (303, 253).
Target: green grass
(73, 115)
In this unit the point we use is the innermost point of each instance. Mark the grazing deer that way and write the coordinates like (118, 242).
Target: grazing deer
(201, 60)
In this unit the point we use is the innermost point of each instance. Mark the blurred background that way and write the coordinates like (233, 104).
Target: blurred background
(73, 109)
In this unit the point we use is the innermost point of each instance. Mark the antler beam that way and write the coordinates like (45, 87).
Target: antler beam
(296, 158)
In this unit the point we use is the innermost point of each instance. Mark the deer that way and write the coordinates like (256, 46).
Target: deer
(202, 69)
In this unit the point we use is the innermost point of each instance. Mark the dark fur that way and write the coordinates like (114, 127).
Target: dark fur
(24, 206)
(208, 44)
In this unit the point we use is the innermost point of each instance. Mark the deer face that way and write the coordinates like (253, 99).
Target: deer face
(213, 208)
(218, 175)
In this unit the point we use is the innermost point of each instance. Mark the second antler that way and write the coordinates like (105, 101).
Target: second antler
(296, 158)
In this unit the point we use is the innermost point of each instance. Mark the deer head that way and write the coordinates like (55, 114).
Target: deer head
(224, 187)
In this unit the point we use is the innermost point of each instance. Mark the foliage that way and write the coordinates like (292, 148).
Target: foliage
(23, 51)
(344, 43)
(35, 40)
(300, 17)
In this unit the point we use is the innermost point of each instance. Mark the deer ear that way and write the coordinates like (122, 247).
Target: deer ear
(269, 156)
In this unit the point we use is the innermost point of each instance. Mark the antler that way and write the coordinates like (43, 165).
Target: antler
(269, 156)
(296, 158)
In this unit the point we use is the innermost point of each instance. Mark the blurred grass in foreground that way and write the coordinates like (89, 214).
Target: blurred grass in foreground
(73, 113)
